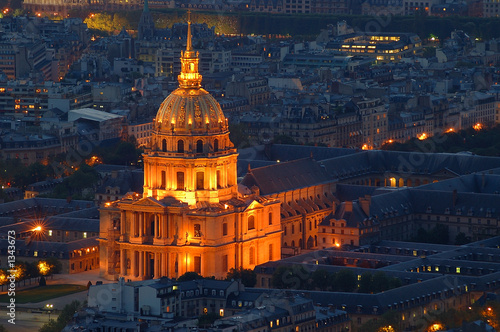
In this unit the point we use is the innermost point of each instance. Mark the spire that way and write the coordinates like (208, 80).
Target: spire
(189, 47)
(146, 6)
(189, 76)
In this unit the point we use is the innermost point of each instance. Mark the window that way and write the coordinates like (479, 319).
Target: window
(50, 232)
(163, 179)
(180, 146)
(200, 180)
(197, 230)
(251, 256)
(251, 222)
(84, 235)
(199, 146)
(270, 252)
(224, 229)
(164, 145)
(216, 145)
(180, 180)
(197, 264)
(270, 218)
(224, 263)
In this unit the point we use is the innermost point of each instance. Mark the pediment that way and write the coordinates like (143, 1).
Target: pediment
(148, 201)
(254, 205)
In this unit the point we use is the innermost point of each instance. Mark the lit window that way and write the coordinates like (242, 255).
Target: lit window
(50, 232)
(84, 235)
(35, 253)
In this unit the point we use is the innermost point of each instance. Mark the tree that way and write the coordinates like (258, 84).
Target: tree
(345, 281)
(380, 282)
(291, 277)
(188, 276)
(248, 277)
(461, 238)
(365, 283)
(50, 326)
(321, 279)
(207, 320)
(56, 265)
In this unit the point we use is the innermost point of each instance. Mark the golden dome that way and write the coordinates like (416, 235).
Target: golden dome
(189, 108)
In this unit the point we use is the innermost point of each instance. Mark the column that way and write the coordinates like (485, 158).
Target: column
(122, 223)
(141, 223)
(141, 264)
(134, 263)
(156, 265)
(123, 267)
(164, 226)
(157, 226)
(133, 229)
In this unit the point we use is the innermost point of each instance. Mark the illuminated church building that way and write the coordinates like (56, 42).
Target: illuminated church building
(190, 216)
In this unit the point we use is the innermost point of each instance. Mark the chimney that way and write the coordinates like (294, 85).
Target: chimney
(365, 204)
(348, 206)
(454, 197)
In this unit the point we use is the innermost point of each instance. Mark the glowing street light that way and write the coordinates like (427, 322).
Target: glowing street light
(49, 308)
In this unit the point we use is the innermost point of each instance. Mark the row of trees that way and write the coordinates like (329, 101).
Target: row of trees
(247, 276)
(298, 277)
(34, 269)
(485, 142)
(306, 25)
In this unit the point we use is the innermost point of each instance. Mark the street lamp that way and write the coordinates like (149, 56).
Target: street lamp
(49, 307)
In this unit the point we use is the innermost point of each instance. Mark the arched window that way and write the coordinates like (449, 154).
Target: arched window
(251, 222)
(270, 218)
(252, 256)
(224, 229)
(293, 243)
(216, 145)
(199, 146)
(164, 145)
(180, 180)
(180, 146)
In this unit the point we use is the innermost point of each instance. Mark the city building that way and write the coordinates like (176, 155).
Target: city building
(191, 216)
(45, 227)
(384, 47)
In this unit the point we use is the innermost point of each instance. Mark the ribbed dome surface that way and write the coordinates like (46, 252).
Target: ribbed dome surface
(190, 110)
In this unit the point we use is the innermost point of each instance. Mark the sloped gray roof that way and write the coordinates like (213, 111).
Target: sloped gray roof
(286, 176)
